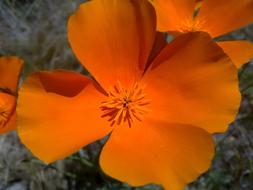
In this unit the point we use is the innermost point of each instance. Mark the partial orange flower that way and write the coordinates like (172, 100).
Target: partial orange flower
(159, 115)
(216, 17)
(10, 68)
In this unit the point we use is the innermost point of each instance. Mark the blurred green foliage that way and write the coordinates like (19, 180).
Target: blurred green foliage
(35, 30)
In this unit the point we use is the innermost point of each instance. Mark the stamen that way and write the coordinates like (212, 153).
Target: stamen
(125, 105)
(4, 115)
(7, 107)
(191, 25)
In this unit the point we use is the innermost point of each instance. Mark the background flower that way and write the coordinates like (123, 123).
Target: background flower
(10, 70)
(216, 17)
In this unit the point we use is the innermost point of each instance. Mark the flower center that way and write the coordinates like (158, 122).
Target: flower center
(125, 105)
(191, 25)
(4, 115)
(7, 106)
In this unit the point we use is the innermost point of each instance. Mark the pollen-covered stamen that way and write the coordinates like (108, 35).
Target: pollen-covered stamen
(125, 105)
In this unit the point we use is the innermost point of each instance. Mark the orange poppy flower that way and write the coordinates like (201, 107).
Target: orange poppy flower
(160, 118)
(10, 68)
(216, 17)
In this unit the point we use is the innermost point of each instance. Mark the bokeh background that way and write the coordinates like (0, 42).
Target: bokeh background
(35, 30)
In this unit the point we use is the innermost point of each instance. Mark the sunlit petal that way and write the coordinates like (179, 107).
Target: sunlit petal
(59, 114)
(155, 152)
(240, 51)
(10, 69)
(113, 38)
(194, 82)
(171, 14)
(219, 17)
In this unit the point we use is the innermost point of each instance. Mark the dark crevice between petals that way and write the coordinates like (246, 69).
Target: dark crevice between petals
(159, 44)
(8, 91)
(67, 84)
(145, 48)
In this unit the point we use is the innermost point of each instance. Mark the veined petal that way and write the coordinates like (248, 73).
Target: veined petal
(7, 112)
(172, 14)
(10, 69)
(240, 51)
(194, 82)
(113, 38)
(155, 152)
(219, 17)
(59, 114)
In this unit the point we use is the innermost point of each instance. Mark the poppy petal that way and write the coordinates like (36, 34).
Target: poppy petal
(172, 14)
(171, 155)
(113, 38)
(240, 52)
(10, 69)
(7, 112)
(193, 82)
(58, 117)
(219, 17)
